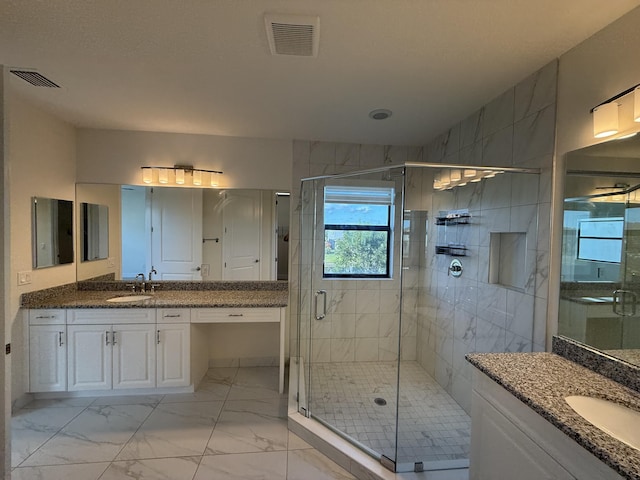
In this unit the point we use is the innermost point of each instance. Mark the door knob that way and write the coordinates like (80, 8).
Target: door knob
(198, 269)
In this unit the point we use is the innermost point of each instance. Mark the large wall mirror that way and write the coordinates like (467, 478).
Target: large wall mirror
(52, 242)
(600, 273)
(174, 233)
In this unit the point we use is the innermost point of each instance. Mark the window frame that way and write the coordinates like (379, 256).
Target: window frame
(388, 228)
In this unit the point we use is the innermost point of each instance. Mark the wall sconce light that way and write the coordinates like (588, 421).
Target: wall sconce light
(605, 115)
(181, 175)
(605, 120)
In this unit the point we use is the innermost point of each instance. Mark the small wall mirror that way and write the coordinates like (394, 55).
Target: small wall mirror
(52, 232)
(94, 225)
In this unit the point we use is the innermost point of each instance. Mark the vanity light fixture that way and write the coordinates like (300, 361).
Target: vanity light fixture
(605, 114)
(183, 175)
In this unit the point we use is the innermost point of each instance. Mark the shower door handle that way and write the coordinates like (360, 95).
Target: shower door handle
(620, 300)
(324, 304)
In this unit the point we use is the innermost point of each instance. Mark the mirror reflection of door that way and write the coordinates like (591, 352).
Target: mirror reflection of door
(189, 227)
(242, 235)
(282, 236)
(176, 233)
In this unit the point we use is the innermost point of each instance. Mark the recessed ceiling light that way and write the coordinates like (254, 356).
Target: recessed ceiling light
(380, 114)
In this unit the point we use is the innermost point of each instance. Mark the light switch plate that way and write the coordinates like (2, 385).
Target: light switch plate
(24, 278)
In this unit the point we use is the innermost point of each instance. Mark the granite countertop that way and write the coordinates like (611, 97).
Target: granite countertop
(542, 380)
(164, 299)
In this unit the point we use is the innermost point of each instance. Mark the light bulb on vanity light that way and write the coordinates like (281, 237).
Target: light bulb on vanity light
(163, 175)
(214, 180)
(456, 175)
(197, 177)
(636, 104)
(179, 176)
(605, 120)
(147, 175)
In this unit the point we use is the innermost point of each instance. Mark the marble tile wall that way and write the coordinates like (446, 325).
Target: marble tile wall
(466, 314)
(362, 322)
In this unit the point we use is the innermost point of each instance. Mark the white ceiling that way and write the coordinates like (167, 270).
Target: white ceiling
(203, 66)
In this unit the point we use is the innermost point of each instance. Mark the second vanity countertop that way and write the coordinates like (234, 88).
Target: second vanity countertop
(165, 299)
(543, 380)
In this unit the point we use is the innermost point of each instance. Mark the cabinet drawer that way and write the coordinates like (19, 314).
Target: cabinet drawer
(48, 317)
(234, 315)
(173, 315)
(113, 316)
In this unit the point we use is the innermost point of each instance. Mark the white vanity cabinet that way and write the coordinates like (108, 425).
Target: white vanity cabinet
(510, 440)
(173, 347)
(116, 355)
(48, 351)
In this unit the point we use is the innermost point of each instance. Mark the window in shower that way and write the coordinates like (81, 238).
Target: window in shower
(357, 231)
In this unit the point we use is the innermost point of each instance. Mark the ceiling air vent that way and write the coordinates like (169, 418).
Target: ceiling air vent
(293, 34)
(34, 78)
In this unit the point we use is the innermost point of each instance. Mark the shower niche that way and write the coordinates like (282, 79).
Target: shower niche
(379, 357)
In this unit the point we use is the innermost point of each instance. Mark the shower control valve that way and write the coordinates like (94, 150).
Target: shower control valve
(455, 268)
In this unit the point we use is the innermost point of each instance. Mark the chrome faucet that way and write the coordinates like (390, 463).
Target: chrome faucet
(152, 271)
(140, 285)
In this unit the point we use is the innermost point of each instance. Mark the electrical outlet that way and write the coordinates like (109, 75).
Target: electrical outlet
(24, 278)
(111, 262)
(205, 270)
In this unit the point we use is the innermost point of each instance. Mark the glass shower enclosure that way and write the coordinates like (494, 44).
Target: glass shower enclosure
(391, 276)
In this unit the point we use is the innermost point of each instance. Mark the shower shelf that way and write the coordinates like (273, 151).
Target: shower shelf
(453, 250)
(460, 220)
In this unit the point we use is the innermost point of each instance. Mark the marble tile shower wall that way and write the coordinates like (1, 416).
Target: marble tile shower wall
(449, 319)
(362, 324)
(469, 314)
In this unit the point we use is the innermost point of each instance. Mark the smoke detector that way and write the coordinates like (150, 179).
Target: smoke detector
(297, 35)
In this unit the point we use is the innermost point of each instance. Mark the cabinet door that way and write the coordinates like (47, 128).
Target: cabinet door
(134, 356)
(89, 357)
(500, 450)
(47, 358)
(173, 352)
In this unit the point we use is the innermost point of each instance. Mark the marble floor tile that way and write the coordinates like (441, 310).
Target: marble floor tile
(31, 428)
(208, 391)
(60, 402)
(254, 383)
(310, 464)
(182, 468)
(173, 430)
(96, 435)
(244, 466)
(250, 426)
(222, 375)
(296, 443)
(82, 471)
(151, 400)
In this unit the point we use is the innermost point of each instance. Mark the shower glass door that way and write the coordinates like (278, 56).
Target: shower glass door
(351, 274)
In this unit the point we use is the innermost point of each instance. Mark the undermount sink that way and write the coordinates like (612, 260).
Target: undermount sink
(617, 420)
(128, 298)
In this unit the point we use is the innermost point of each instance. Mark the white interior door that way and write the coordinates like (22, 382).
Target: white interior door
(241, 217)
(176, 233)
